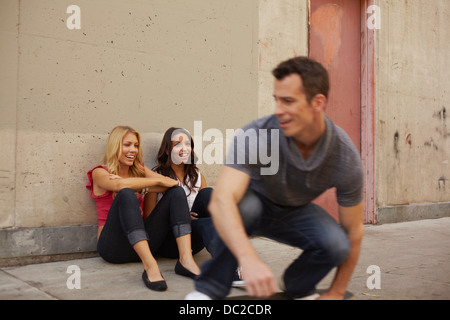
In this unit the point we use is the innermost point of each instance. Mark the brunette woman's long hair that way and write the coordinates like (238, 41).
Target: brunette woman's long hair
(164, 160)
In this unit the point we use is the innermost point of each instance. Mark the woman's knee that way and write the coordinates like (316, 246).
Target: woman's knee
(127, 197)
(126, 193)
(200, 205)
(175, 192)
(205, 193)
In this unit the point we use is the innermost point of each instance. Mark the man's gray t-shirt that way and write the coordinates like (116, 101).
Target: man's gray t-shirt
(279, 172)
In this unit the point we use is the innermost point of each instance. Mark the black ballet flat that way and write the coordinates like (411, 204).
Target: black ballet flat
(154, 285)
(182, 271)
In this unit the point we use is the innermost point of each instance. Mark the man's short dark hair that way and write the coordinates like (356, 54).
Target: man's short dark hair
(314, 76)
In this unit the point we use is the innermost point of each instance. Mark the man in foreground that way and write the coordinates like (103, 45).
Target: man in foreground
(314, 155)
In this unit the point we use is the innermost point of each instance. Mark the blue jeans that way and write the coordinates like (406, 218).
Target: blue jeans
(310, 228)
(125, 227)
(203, 233)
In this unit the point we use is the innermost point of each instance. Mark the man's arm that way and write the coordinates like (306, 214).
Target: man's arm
(230, 187)
(351, 219)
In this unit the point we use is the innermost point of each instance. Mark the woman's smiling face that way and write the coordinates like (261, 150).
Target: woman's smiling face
(181, 148)
(130, 149)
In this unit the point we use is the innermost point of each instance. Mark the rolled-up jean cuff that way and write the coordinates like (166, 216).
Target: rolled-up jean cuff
(180, 230)
(137, 235)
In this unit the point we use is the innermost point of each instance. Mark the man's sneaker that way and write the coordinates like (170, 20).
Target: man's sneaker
(237, 280)
(313, 296)
(196, 295)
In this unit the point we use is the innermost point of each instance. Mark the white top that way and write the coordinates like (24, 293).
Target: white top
(190, 197)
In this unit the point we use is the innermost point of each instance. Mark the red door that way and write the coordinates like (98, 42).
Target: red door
(335, 41)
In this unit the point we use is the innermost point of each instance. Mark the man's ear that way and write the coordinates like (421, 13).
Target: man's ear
(319, 102)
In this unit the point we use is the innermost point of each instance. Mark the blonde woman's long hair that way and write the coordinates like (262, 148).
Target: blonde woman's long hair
(113, 151)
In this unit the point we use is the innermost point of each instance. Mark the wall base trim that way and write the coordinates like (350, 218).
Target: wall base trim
(47, 241)
(412, 212)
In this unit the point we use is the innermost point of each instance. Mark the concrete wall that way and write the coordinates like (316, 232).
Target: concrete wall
(148, 64)
(413, 105)
(282, 34)
(161, 63)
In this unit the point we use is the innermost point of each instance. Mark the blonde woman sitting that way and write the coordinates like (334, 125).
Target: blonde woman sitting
(126, 233)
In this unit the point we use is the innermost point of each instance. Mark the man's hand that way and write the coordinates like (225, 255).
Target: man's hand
(259, 279)
(229, 189)
(331, 296)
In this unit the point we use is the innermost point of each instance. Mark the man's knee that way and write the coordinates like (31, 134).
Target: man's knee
(336, 249)
(250, 208)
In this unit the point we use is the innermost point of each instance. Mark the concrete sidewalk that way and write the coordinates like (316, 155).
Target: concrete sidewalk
(413, 257)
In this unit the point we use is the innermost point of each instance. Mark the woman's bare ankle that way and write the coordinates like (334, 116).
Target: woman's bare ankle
(190, 264)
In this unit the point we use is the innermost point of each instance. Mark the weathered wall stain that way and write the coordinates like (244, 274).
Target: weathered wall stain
(408, 140)
(441, 114)
(441, 183)
(396, 137)
(442, 127)
(326, 22)
(431, 144)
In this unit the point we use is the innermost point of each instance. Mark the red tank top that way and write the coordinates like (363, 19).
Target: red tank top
(104, 201)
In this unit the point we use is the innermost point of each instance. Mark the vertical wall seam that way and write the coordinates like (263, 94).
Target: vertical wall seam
(17, 115)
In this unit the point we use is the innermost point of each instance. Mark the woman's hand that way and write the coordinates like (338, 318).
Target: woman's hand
(194, 215)
(169, 182)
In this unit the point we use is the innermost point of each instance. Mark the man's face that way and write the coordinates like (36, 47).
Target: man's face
(292, 109)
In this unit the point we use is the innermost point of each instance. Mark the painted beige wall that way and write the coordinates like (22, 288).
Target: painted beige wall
(283, 33)
(413, 137)
(148, 64)
(8, 103)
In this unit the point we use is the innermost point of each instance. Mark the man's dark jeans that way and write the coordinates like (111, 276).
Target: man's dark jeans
(310, 228)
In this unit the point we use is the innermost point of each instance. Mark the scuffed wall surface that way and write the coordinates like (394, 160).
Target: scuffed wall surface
(283, 34)
(9, 19)
(413, 102)
(148, 64)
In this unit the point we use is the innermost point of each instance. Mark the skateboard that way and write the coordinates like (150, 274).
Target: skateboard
(283, 296)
